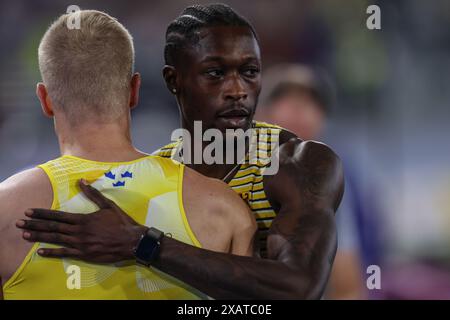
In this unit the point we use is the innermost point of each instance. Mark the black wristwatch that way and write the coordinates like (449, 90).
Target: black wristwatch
(148, 247)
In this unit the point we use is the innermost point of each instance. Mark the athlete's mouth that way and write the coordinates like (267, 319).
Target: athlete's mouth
(234, 113)
(234, 119)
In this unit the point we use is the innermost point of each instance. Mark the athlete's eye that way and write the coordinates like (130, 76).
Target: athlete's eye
(215, 73)
(251, 72)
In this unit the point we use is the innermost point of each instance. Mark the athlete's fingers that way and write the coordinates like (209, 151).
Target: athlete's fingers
(50, 237)
(95, 196)
(59, 253)
(60, 216)
(45, 225)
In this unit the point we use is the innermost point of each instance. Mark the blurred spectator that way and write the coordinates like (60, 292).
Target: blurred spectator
(299, 99)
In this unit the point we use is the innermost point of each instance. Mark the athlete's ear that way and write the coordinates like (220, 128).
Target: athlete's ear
(134, 94)
(170, 76)
(46, 105)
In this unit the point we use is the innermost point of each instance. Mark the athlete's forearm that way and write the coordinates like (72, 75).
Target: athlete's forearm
(225, 276)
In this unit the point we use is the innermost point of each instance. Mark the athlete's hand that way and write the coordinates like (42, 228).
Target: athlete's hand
(105, 236)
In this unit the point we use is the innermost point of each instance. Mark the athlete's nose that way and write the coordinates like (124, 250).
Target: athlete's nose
(235, 88)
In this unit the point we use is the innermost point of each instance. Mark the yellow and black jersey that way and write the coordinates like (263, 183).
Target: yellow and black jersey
(248, 180)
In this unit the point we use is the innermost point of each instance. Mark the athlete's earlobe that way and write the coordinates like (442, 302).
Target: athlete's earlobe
(135, 86)
(46, 105)
(170, 77)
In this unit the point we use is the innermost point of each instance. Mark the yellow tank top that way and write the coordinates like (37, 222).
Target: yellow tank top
(248, 180)
(150, 191)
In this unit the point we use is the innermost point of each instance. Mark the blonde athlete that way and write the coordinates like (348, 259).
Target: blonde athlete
(89, 88)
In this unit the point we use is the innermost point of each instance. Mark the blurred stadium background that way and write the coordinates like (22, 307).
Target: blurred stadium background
(389, 120)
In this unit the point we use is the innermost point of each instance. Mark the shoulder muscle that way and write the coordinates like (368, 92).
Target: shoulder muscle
(312, 169)
(30, 188)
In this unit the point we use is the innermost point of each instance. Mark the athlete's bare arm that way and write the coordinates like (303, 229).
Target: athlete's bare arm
(301, 246)
(302, 242)
(17, 193)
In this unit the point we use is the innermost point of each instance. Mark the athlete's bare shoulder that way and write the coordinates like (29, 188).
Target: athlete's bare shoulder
(27, 189)
(30, 187)
(286, 135)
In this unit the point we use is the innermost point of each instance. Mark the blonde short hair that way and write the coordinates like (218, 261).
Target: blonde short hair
(87, 71)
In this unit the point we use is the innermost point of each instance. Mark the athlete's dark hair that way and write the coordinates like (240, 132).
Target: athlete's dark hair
(182, 31)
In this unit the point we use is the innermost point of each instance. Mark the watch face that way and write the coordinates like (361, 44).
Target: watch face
(146, 249)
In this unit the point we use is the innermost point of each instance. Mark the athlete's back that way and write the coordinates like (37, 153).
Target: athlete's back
(149, 188)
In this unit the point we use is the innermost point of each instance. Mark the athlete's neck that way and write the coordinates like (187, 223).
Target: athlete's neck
(108, 142)
(222, 170)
